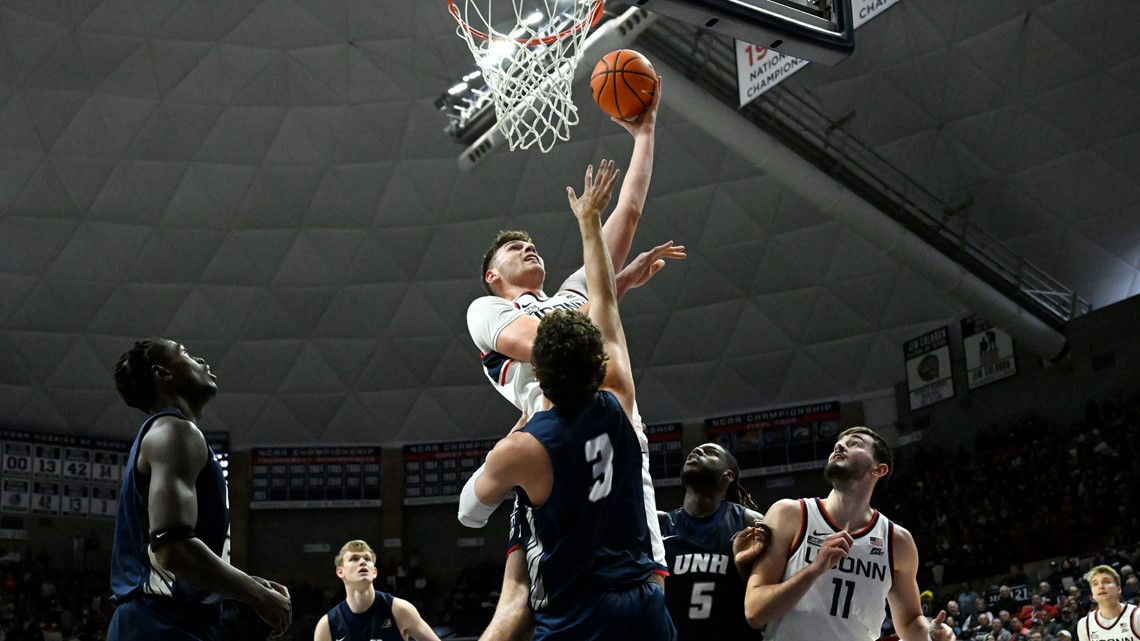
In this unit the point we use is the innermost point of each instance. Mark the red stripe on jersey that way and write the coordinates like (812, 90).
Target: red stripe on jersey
(661, 572)
(1096, 615)
(854, 535)
(803, 529)
(503, 371)
(1132, 621)
(514, 547)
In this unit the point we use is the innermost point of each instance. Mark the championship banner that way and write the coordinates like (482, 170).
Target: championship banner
(759, 69)
(435, 472)
(928, 373)
(778, 441)
(314, 477)
(989, 352)
(57, 475)
(665, 455)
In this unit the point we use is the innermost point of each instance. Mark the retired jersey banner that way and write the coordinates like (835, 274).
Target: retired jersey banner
(778, 441)
(759, 69)
(60, 475)
(314, 477)
(928, 374)
(989, 352)
(665, 455)
(436, 472)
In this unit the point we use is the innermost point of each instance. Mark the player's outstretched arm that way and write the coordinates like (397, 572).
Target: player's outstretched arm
(172, 453)
(412, 626)
(519, 459)
(767, 596)
(621, 226)
(323, 631)
(600, 277)
(903, 598)
(513, 619)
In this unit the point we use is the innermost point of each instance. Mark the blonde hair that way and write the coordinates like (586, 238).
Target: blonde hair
(355, 545)
(1103, 569)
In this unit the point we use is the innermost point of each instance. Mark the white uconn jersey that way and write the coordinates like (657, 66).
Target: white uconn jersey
(489, 315)
(849, 601)
(1125, 627)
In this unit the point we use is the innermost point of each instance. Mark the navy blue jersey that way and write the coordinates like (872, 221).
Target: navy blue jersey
(134, 571)
(703, 591)
(591, 534)
(375, 624)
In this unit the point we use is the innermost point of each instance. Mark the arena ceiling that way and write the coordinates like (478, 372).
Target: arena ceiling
(268, 182)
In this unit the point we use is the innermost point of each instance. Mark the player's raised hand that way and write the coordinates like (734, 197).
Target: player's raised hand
(835, 548)
(641, 269)
(596, 190)
(939, 631)
(648, 118)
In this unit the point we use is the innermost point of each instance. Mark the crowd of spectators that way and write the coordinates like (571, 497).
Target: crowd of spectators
(1027, 491)
(44, 598)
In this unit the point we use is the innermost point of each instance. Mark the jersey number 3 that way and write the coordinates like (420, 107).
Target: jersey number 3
(600, 452)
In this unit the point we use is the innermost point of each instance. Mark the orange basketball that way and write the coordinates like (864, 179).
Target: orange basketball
(623, 83)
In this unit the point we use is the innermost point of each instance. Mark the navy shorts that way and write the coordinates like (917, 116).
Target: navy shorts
(637, 612)
(147, 619)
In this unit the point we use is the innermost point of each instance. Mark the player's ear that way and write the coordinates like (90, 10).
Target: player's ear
(880, 470)
(729, 476)
(340, 571)
(160, 373)
(491, 277)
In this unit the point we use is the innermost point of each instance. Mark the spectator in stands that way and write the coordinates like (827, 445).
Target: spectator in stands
(1005, 601)
(979, 609)
(998, 631)
(1132, 589)
(952, 610)
(1032, 612)
(1016, 576)
(1048, 594)
(1017, 630)
(976, 625)
(968, 600)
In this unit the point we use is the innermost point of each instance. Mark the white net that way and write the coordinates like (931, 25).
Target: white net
(529, 68)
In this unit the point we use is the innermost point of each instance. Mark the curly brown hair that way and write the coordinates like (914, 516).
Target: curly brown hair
(503, 238)
(569, 358)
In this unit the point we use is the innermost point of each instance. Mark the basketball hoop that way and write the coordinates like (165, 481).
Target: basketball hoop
(530, 68)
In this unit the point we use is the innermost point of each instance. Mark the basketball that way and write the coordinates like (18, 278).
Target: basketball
(623, 83)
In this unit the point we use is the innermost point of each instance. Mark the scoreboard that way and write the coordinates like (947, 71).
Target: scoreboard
(778, 441)
(436, 472)
(61, 475)
(314, 477)
(665, 455)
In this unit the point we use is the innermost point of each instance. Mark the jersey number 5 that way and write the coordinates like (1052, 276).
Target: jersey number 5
(600, 452)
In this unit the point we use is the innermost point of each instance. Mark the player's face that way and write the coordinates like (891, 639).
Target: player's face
(190, 375)
(705, 466)
(852, 458)
(357, 566)
(518, 263)
(1104, 588)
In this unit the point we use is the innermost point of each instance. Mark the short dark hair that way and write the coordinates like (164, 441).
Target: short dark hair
(883, 453)
(503, 238)
(569, 358)
(132, 373)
